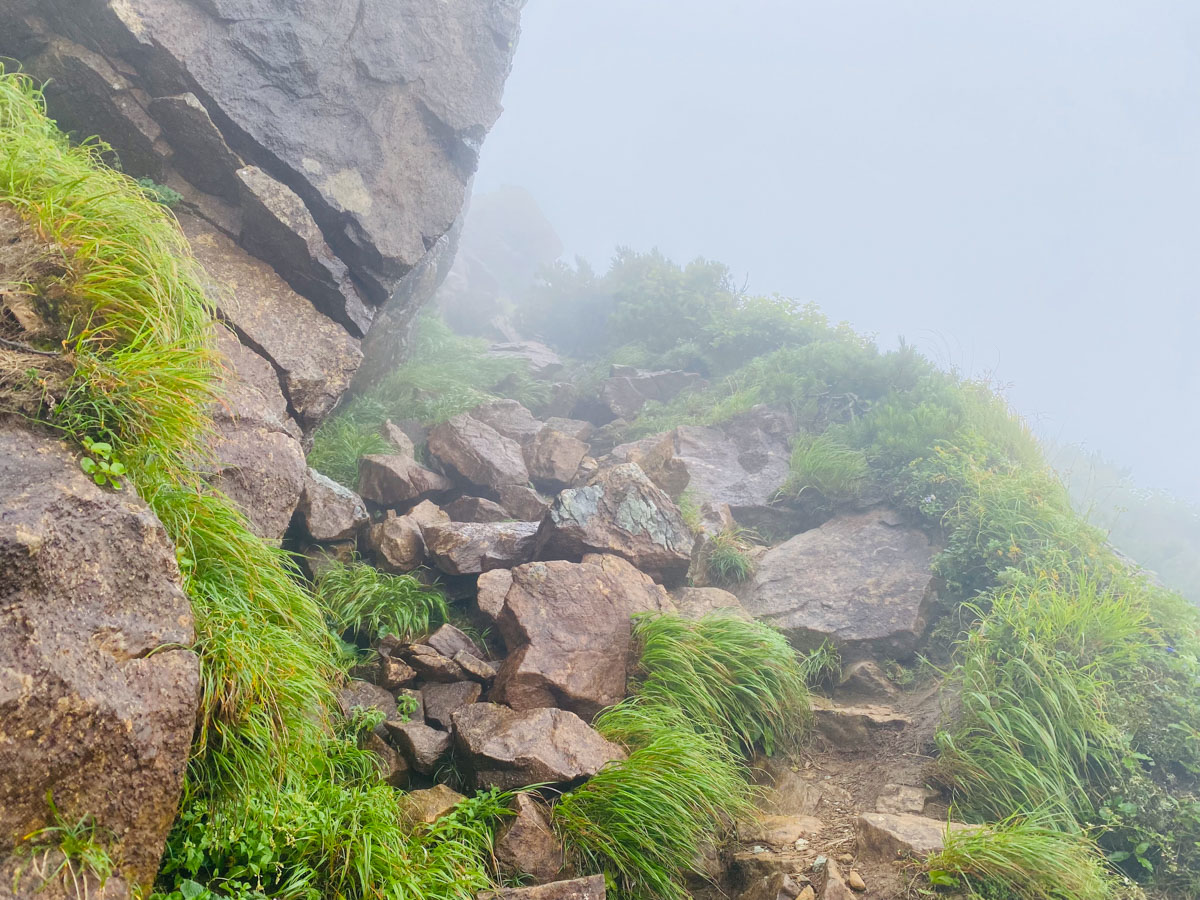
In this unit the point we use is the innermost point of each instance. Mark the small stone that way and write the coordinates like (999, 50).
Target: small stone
(856, 881)
(477, 668)
(807, 893)
(448, 640)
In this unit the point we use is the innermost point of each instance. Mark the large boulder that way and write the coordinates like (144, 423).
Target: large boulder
(258, 461)
(329, 511)
(398, 542)
(553, 458)
(468, 548)
(394, 479)
(98, 692)
(478, 452)
(508, 749)
(509, 418)
(623, 513)
(567, 629)
(888, 837)
(862, 581)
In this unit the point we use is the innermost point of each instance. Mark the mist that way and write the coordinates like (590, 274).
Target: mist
(1011, 187)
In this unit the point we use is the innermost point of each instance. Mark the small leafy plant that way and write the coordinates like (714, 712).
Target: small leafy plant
(160, 193)
(70, 852)
(102, 464)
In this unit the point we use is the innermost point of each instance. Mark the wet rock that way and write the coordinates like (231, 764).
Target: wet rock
(277, 227)
(888, 837)
(478, 452)
(542, 362)
(443, 700)
(509, 418)
(589, 888)
(430, 804)
(901, 799)
(623, 513)
(464, 548)
(316, 357)
(201, 154)
(364, 695)
(567, 628)
(474, 667)
(553, 458)
(433, 666)
(425, 748)
(656, 457)
(507, 748)
(696, 602)
(391, 674)
(393, 768)
(258, 460)
(856, 580)
(93, 635)
(522, 502)
(398, 542)
(449, 640)
(329, 511)
(526, 845)
(477, 509)
(394, 480)
(854, 727)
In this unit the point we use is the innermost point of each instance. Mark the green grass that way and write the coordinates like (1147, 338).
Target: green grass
(360, 599)
(726, 557)
(733, 674)
(70, 854)
(1023, 861)
(820, 463)
(340, 443)
(643, 821)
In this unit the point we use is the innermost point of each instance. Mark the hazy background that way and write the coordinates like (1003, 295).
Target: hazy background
(1014, 187)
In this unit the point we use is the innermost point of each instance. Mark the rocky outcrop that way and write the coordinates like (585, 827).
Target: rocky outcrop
(862, 581)
(567, 629)
(623, 513)
(97, 693)
(508, 749)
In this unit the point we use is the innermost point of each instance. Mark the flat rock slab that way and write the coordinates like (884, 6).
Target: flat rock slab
(620, 512)
(888, 837)
(568, 631)
(98, 694)
(589, 888)
(856, 580)
(853, 728)
(780, 831)
(469, 548)
(508, 749)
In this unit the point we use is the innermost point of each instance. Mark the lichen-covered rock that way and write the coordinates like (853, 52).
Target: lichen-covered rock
(478, 452)
(508, 749)
(467, 548)
(393, 479)
(567, 629)
(329, 511)
(97, 693)
(623, 513)
(862, 581)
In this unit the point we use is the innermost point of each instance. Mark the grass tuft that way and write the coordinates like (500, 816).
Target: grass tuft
(372, 604)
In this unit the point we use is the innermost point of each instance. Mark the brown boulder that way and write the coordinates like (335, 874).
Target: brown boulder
(398, 542)
(589, 888)
(98, 694)
(442, 701)
(449, 640)
(522, 502)
(853, 728)
(858, 580)
(509, 418)
(553, 458)
(422, 746)
(399, 439)
(568, 631)
(478, 509)
(888, 837)
(696, 602)
(478, 452)
(393, 479)
(466, 548)
(623, 513)
(507, 748)
(430, 804)
(364, 695)
(526, 845)
(579, 429)
(329, 511)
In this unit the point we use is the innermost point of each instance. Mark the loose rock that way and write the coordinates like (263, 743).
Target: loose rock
(428, 805)
(888, 837)
(590, 888)
(478, 452)
(553, 458)
(329, 511)
(395, 480)
(464, 548)
(526, 845)
(443, 700)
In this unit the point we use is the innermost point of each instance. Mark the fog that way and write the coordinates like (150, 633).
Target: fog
(1014, 187)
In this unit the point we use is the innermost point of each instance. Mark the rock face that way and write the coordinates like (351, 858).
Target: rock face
(857, 580)
(623, 513)
(567, 628)
(97, 697)
(257, 451)
(509, 749)
(478, 452)
(465, 548)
